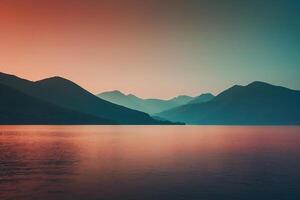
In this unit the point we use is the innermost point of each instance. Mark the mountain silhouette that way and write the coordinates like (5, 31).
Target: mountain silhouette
(66, 94)
(150, 106)
(19, 108)
(258, 103)
(202, 98)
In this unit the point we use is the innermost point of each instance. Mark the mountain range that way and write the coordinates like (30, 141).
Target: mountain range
(57, 100)
(151, 106)
(63, 96)
(258, 103)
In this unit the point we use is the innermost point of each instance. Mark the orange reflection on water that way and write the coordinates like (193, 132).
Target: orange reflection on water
(61, 162)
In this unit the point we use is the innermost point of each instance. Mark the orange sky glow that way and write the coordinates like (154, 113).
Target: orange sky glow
(135, 47)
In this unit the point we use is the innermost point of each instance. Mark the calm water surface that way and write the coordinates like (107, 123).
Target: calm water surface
(149, 162)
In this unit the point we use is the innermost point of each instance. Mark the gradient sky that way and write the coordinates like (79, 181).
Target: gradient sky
(152, 48)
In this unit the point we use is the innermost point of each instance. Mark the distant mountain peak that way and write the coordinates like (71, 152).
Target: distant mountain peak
(206, 94)
(259, 83)
(117, 91)
(204, 97)
(132, 95)
(235, 87)
(113, 92)
(54, 79)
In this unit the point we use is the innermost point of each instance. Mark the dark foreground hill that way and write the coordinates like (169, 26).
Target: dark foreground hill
(19, 108)
(66, 94)
(258, 103)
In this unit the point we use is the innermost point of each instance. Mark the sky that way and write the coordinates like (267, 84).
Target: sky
(152, 48)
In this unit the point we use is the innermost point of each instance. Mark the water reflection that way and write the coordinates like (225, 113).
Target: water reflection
(149, 162)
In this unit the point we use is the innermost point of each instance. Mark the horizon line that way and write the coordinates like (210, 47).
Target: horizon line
(136, 94)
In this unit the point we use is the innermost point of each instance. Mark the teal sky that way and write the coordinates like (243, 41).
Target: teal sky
(153, 48)
(238, 42)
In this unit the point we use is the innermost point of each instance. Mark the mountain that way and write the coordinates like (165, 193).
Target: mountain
(258, 103)
(19, 108)
(150, 106)
(181, 99)
(202, 98)
(66, 94)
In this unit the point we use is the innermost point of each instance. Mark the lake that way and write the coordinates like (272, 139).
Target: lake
(149, 162)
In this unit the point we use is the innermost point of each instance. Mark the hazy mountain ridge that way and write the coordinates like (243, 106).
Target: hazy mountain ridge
(64, 93)
(202, 98)
(257, 103)
(151, 106)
